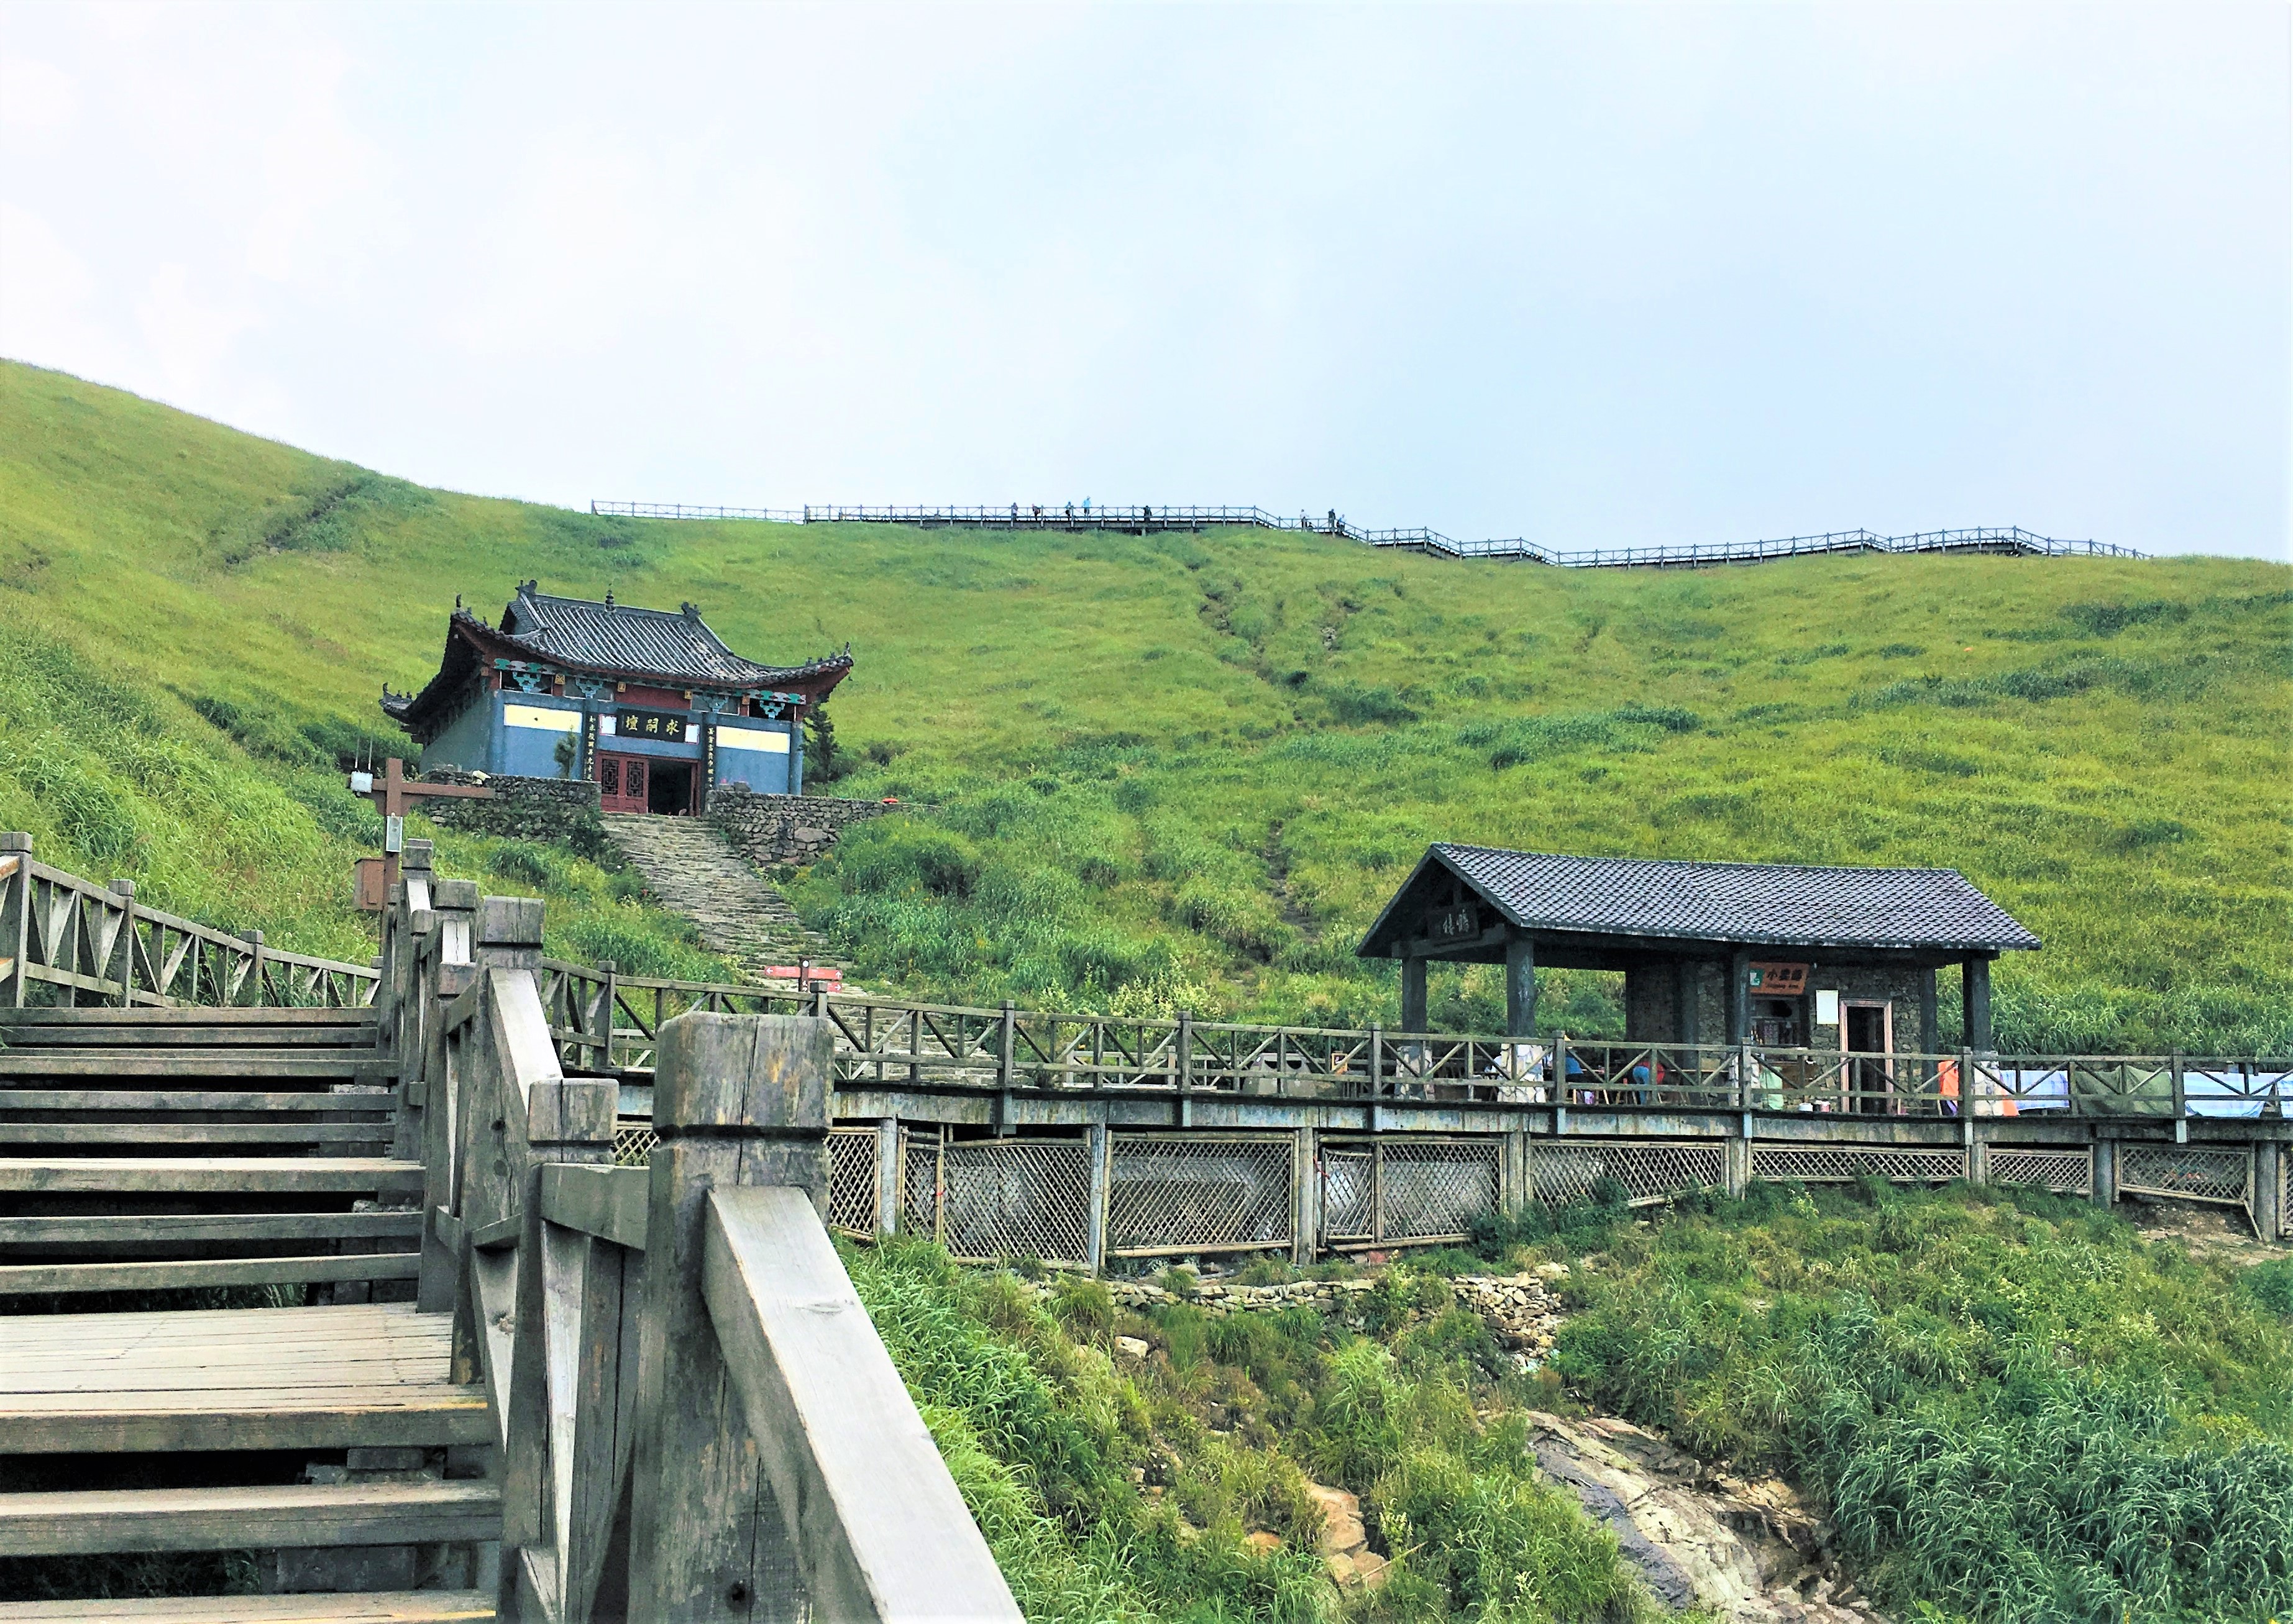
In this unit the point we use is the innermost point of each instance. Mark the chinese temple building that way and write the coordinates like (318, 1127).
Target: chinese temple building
(649, 704)
(1770, 954)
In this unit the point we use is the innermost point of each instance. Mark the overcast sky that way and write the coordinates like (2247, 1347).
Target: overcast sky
(1595, 275)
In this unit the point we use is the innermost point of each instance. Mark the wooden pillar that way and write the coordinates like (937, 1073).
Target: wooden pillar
(1976, 1003)
(453, 905)
(1305, 1195)
(1101, 1144)
(15, 916)
(887, 1176)
(1413, 993)
(2268, 1191)
(2105, 1172)
(1520, 1181)
(1520, 985)
(1739, 998)
(737, 1100)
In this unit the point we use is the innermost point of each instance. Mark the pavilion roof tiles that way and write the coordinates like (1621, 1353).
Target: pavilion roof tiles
(1778, 904)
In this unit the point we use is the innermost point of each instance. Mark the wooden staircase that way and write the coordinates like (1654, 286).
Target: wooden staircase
(176, 1151)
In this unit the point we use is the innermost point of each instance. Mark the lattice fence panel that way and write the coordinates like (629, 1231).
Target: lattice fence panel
(2065, 1172)
(1841, 1163)
(1010, 1198)
(1438, 1188)
(852, 1180)
(1348, 1195)
(633, 1143)
(1168, 1194)
(2187, 1172)
(1650, 1173)
(2285, 1191)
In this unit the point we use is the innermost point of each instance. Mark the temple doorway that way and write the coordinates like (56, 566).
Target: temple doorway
(669, 791)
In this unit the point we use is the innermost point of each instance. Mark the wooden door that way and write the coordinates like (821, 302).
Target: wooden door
(621, 782)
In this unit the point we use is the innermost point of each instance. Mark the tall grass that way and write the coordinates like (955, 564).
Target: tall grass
(2016, 1408)
(1185, 772)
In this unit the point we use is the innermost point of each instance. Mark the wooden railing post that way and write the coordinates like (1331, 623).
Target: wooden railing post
(737, 1100)
(123, 945)
(448, 974)
(15, 916)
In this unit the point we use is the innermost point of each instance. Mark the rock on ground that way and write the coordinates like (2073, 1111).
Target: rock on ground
(1749, 1550)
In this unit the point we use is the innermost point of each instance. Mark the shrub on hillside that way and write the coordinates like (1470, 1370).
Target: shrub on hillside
(888, 856)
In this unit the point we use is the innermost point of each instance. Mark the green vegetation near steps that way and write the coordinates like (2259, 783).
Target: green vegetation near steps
(2016, 1410)
(1183, 770)
(1118, 1491)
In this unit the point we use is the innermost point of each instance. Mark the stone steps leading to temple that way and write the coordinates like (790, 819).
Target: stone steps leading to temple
(695, 871)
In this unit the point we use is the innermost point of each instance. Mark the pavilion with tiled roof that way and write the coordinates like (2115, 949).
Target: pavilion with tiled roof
(648, 703)
(1770, 953)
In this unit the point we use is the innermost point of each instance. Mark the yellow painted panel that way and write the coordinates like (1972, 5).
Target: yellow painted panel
(535, 716)
(751, 739)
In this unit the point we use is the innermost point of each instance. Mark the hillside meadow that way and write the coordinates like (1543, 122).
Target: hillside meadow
(1178, 771)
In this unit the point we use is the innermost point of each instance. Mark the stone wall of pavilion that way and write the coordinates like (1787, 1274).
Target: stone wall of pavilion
(561, 810)
(771, 829)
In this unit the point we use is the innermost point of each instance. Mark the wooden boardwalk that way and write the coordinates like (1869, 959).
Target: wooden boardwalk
(168, 1149)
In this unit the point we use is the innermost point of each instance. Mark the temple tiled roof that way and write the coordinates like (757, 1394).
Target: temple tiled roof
(621, 637)
(673, 648)
(1753, 904)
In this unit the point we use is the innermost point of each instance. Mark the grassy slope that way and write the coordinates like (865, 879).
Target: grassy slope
(1186, 769)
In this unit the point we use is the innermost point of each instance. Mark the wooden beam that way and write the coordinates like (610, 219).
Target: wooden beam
(879, 1530)
(608, 1202)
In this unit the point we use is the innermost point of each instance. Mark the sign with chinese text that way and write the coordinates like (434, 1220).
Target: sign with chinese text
(1779, 980)
(666, 725)
(1459, 922)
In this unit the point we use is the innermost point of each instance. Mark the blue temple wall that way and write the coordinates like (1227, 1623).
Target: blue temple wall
(767, 771)
(469, 744)
(530, 751)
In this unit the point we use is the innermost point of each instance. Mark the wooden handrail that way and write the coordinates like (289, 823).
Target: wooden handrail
(883, 1534)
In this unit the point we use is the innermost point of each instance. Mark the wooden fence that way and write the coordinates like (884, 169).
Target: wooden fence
(67, 940)
(603, 1019)
(696, 1419)
(2009, 540)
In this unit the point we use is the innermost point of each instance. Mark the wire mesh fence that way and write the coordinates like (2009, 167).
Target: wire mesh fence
(2189, 1173)
(633, 1142)
(1649, 1172)
(1172, 1193)
(2063, 1172)
(1413, 1191)
(1844, 1163)
(985, 1199)
(852, 1180)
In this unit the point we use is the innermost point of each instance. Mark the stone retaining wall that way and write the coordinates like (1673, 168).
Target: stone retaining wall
(563, 811)
(1520, 1308)
(781, 829)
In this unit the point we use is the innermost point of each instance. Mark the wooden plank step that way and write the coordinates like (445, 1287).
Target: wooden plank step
(250, 1063)
(354, 1607)
(86, 1522)
(185, 1014)
(224, 1175)
(18, 1280)
(333, 1097)
(169, 1229)
(235, 1324)
(414, 1415)
(87, 1039)
(192, 1134)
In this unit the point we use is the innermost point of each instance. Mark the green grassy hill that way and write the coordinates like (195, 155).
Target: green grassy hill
(1180, 771)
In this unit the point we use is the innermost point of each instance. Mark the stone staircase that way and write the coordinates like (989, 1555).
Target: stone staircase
(179, 1149)
(695, 871)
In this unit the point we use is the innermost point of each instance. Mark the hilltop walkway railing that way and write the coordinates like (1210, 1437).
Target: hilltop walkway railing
(603, 1019)
(2008, 541)
(68, 941)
